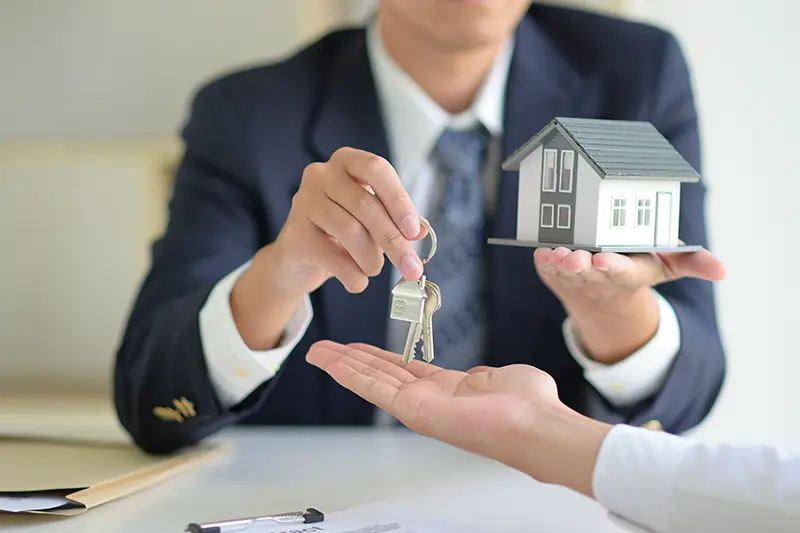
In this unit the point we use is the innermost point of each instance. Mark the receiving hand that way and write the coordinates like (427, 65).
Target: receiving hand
(595, 277)
(484, 411)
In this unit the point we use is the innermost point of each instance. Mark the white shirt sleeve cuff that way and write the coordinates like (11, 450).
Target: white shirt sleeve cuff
(235, 370)
(635, 474)
(643, 372)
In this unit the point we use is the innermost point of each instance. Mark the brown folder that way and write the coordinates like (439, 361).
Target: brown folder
(67, 478)
(63, 455)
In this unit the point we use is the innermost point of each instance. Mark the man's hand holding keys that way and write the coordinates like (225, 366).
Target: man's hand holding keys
(347, 213)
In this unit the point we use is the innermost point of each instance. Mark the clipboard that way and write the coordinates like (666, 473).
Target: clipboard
(68, 478)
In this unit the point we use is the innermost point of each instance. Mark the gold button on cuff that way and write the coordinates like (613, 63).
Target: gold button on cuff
(653, 425)
(182, 410)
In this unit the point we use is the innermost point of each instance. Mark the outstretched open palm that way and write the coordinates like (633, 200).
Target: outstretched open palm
(479, 410)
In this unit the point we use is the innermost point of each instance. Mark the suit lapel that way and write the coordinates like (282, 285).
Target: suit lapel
(349, 115)
(541, 85)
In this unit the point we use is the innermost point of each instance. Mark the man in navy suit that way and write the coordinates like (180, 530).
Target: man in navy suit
(299, 177)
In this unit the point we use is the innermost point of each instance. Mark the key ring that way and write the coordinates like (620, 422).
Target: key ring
(432, 233)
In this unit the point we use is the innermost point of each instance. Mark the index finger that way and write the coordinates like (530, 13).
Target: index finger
(379, 175)
(353, 377)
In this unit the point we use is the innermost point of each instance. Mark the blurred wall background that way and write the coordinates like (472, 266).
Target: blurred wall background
(93, 93)
(115, 69)
(92, 97)
(745, 60)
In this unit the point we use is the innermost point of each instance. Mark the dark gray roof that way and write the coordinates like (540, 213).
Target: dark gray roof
(615, 148)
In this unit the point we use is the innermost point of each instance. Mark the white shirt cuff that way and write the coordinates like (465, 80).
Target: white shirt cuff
(640, 374)
(635, 475)
(234, 369)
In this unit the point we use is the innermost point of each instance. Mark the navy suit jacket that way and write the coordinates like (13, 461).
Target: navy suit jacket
(251, 133)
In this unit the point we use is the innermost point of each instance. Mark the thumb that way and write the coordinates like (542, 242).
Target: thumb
(480, 368)
(700, 264)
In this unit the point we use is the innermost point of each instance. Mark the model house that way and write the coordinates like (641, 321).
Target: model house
(599, 185)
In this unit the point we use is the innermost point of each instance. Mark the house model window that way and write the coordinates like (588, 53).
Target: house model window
(547, 216)
(567, 161)
(643, 212)
(549, 181)
(618, 213)
(599, 185)
(564, 212)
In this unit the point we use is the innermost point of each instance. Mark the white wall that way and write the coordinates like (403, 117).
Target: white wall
(744, 60)
(586, 203)
(125, 69)
(530, 187)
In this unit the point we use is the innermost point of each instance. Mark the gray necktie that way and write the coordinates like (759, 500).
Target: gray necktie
(457, 267)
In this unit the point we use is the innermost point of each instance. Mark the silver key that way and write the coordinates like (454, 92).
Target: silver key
(432, 304)
(414, 335)
(408, 303)
(408, 300)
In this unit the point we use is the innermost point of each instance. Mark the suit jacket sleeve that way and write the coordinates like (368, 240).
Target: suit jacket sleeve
(697, 372)
(213, 229)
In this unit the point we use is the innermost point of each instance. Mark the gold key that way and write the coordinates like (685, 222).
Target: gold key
(432, 304)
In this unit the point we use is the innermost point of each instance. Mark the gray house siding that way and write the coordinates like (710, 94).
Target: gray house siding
(561, 201)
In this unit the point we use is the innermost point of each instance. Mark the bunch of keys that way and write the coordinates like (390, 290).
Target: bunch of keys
(416, 301)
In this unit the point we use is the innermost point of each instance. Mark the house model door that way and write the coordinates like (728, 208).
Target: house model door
(663, 218)
(557, 210)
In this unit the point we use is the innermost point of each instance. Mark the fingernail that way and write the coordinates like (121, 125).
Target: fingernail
(410, 226)
(411, 267)
(602, 268)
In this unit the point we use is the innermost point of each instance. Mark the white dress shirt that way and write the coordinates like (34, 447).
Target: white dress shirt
(414, 123)
(655, 481)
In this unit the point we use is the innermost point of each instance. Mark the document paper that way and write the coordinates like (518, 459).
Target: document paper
(378, 517)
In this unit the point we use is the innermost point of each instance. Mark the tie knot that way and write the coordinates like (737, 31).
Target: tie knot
(461, 150)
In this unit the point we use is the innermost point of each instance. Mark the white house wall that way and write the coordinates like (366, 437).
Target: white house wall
(631, 190)
(588, 184)
(530, 185)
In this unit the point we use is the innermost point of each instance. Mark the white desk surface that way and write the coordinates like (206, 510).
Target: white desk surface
(269, 470)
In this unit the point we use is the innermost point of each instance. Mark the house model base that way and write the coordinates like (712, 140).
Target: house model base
(599, 185)
(627, 249)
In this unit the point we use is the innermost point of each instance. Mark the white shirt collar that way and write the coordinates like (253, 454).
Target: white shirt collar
(414, 121)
